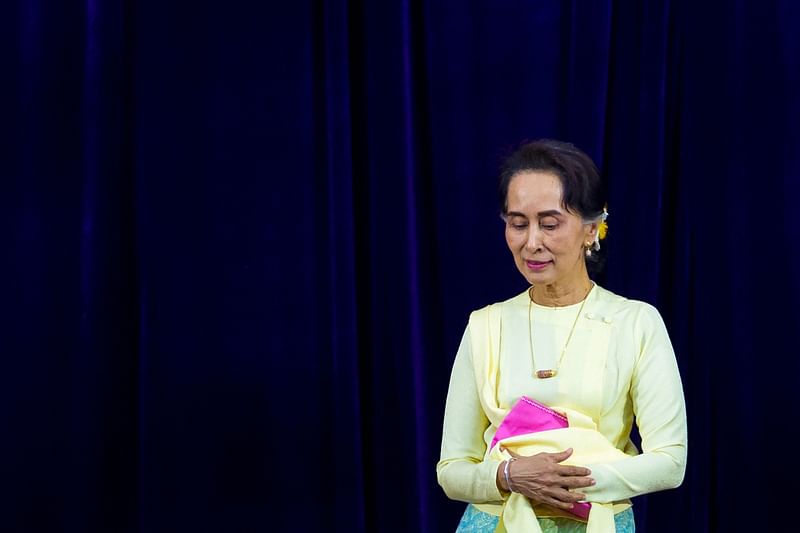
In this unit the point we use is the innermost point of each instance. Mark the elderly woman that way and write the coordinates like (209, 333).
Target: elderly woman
(545, 386)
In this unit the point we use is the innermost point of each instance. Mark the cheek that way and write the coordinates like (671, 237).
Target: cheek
(558, 245)
(514, 240)
(569, 246)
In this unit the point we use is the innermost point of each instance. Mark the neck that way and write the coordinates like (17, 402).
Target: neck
(557, 295)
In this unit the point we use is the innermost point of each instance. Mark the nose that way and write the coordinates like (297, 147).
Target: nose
(534, 241)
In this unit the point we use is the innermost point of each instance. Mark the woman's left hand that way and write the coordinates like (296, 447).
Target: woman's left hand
(544, 480)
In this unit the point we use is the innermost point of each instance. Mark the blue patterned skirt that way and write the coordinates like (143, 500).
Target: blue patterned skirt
(475, 521)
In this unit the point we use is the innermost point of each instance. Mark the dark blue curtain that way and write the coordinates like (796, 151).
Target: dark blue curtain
(241, 242)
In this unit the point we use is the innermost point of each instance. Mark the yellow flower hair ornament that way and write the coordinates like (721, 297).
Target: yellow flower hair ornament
(602, 231)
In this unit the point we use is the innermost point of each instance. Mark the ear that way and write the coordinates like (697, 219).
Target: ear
(590, 230)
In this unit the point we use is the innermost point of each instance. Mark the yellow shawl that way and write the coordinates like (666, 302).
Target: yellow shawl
(590, 446)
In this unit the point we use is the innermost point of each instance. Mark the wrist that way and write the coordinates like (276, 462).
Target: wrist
(507, 474)
(503, 477)
(501, 480)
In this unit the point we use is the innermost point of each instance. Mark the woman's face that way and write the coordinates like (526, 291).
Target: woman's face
(546, 240)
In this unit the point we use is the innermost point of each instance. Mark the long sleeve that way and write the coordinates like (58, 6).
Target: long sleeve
(622, 342)
(463, 472)
(658, 405)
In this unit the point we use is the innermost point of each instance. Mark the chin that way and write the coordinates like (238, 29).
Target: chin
(539, 280)
(536, 278)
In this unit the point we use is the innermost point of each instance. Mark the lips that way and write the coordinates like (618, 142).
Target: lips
(537, 265)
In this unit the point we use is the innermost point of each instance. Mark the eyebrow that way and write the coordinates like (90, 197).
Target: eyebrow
(540, 214)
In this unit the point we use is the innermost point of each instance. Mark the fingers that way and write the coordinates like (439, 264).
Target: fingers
(567, 470)
(542, 478)
(564, 496)
(565, 500)
(577, 482)
(561, 456)
(558, 504)
(554, 456)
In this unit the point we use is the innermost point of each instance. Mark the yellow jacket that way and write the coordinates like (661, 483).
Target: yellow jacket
(619, 363)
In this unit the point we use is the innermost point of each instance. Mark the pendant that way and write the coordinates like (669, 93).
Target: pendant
(544, 374)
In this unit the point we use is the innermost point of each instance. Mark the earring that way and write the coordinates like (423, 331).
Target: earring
(588, 249)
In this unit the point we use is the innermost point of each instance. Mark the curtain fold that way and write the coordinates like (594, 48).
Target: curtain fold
(243, 240)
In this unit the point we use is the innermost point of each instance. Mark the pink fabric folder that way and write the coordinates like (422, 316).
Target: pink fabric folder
(529, 416)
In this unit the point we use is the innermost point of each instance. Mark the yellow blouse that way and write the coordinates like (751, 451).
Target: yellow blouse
(619, 364)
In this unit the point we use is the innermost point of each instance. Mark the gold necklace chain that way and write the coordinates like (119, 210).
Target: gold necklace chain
(550, 372)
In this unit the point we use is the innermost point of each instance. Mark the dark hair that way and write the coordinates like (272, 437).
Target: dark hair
(582, 189)
(583, 192)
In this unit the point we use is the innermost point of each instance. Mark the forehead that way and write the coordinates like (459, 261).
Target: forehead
(534, 190)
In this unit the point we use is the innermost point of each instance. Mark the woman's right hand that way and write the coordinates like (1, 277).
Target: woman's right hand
(541, 478)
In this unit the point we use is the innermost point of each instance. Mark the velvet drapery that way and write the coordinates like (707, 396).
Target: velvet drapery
(242, 240)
